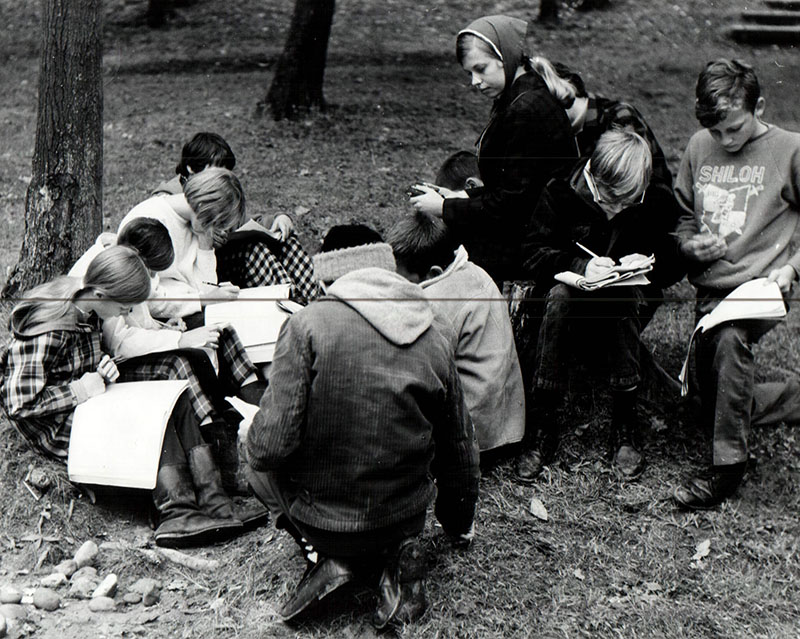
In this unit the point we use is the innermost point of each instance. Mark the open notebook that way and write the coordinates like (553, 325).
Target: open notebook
(116, 437)
(756, 299)
(628, 274)
(257, 316)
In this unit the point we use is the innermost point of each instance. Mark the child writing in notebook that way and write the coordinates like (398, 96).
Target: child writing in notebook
(252, 259)
(55, 361)
(738, 182)
(148, 349)
(602, 214)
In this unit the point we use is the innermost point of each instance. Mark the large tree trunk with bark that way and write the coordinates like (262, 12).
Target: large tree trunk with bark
(299, 74)
(548, 11)
(158, 11)
(63, 207)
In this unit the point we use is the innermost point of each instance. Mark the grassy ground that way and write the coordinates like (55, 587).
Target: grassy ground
(613, 559)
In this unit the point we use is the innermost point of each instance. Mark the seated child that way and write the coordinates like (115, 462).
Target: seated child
(253, 259)
(606, 206)
(55, 361)
(738, 181)
(468, 300)
(147, 349)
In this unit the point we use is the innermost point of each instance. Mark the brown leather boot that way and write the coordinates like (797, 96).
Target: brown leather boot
(181, 522)
(211, 497)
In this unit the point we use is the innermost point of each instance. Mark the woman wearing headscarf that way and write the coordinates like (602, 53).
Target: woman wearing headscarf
(528, 138)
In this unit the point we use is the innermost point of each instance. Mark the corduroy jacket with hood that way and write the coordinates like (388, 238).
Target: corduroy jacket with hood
(364, 409)
(528, 139)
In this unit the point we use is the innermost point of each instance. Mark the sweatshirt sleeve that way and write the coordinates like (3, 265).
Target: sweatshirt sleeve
(28, 391)
(173, 298)
(277, 427)
(124, 339)
(684, 194)
(455, 464)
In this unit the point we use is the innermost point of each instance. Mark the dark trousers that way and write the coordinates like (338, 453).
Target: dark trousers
(611, 319)
(729, 398)
(359, 544)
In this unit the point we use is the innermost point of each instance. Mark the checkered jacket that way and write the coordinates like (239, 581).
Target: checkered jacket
(36, 372)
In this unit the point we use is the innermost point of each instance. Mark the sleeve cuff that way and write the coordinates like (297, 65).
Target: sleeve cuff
(76, 386)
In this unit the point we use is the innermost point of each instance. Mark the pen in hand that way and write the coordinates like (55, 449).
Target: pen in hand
(589, 251)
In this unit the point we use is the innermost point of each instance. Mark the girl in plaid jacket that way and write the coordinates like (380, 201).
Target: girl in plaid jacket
(55, 362)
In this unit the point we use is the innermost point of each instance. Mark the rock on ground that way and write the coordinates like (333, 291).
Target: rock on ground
(86, 554)
(102, 604)
(46, 599)
(10, 595)
(107, 587)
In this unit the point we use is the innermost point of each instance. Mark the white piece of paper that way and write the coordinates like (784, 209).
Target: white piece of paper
(116, 437)
(256, 317)
(756, 299)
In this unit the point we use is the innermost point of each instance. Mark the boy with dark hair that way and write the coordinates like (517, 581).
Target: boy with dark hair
(363, 410)
(151, 240)
(205, 149)
(602, 214)
(460, 172)
(466, 298)
(738, 181)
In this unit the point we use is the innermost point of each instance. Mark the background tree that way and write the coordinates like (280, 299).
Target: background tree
(63, 205)
(297, 85)
(548, 11)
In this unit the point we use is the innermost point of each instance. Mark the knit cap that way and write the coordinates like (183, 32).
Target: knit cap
(351, 247)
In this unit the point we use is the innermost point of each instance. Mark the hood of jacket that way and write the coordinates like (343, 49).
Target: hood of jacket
(395, 307)
(506, 35)
(460, 261)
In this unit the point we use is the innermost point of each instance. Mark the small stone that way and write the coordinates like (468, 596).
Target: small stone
(46, 599)
(16, 612)
(10, 595)
(40, 479)
(66, 568)
(102, 604)
(132, 598)
(86, 571)
(82, 587)
(54, 580)
(151, 598)
(86, 554)
(3, 626)
(107, 587)
(145, 585)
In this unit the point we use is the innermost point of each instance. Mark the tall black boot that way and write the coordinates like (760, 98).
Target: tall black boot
(628, 459)
(181, 522)
(211, 498)
(541, 435)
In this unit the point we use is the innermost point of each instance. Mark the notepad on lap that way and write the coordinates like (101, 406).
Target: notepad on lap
(756, 299)
(116, 437)
(256, 316)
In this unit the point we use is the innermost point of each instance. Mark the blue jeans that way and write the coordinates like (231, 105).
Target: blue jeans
(726, 379)
(611, 319)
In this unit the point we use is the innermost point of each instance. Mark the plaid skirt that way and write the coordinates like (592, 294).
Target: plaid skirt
(251, 262)
(207, 388)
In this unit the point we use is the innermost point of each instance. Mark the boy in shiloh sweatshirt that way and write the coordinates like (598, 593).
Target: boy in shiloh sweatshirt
(739, 182)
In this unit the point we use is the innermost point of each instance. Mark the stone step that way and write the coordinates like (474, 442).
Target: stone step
(789, 5)
(772, 17)
(765, 34)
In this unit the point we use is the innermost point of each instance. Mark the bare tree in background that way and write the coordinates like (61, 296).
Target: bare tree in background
(548, 11)
(63, 206)
(297, 85)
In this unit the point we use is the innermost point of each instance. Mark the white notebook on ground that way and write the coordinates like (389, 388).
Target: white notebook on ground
(116, 437)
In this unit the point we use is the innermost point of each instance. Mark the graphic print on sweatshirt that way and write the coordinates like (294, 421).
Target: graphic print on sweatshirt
(724, 193)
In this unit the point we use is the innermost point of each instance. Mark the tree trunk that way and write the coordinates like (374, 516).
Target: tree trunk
(158, 11)
(548, 11)
(299, 74)
(63, 206)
